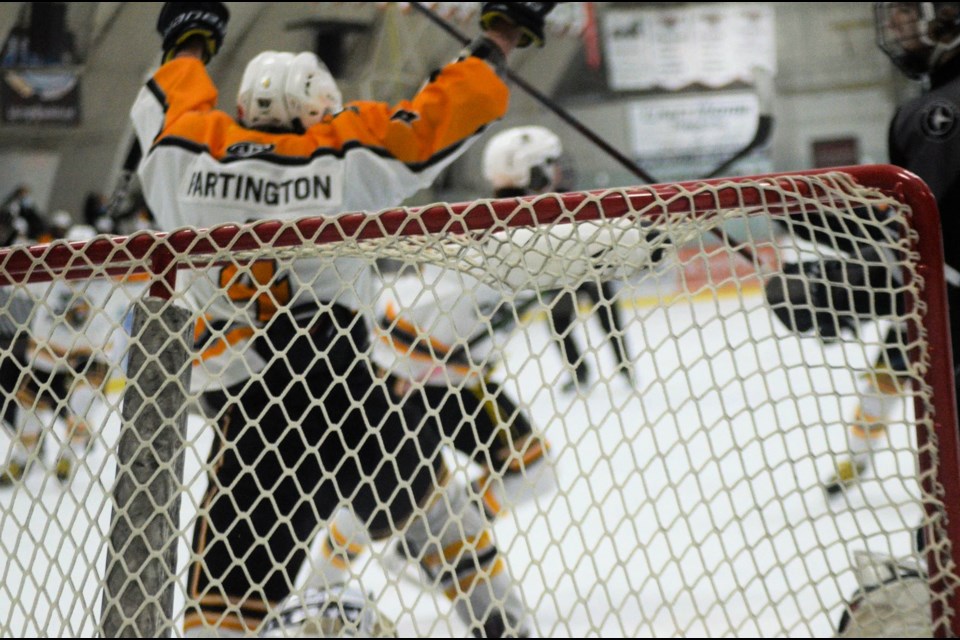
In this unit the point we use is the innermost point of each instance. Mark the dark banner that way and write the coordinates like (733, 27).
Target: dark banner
(40, 96)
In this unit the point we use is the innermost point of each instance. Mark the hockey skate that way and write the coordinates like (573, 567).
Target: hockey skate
(79, 442)
(71, 455)
(13, 472)
(19, 463)
(66, 464)
(848, 473)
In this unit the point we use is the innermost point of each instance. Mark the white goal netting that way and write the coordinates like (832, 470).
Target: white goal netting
(699, 409)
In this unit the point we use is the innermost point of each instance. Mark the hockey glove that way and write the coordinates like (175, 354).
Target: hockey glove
(830, 296)
(530, 17)
(181, 21)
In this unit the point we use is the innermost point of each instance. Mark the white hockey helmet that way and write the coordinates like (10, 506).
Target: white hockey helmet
(286, 91)
(80, 233)
(311, 91)
(60, 221)
(522, 158)
(260, 101)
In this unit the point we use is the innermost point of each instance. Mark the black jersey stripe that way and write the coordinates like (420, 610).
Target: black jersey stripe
(290, 161)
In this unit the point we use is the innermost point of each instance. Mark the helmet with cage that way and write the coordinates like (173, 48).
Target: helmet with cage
(917, 36)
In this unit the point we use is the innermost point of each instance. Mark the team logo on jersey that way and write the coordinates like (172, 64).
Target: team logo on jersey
(248, 149)
(939, 120)
(407, 117)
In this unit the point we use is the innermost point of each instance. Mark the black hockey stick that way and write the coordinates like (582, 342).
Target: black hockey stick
(628, 164)
(764, 129)
(763, 83)
(764, 87)
(121, 191)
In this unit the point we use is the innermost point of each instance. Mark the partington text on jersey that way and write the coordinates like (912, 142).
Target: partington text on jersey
(237, 187)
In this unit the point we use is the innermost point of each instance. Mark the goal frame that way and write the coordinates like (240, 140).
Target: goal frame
(159, 255)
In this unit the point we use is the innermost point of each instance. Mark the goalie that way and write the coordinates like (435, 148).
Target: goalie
(304, 425)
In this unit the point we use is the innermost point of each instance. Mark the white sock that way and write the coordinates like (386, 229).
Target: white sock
(452, 541)
(344, 540)
(868, 429)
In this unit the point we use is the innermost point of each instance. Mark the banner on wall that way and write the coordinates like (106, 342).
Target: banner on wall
(712, 45)
(682, 137)
(696, 123)
(40, 96)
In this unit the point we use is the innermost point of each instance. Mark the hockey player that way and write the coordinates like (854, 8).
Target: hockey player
(439, 335)
(20, 221)
(923, 40)
(525, 161)
(75, 334)
(313, 389)
(440, 349)
(830, 292)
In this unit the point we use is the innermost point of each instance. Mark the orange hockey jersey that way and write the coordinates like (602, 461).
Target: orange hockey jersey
(201, 168)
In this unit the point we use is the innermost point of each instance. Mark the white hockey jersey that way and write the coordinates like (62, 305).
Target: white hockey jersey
(443, 327)
(80, 319)
(202, 169)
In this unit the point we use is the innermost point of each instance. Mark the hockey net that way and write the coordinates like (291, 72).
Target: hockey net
(688, 488)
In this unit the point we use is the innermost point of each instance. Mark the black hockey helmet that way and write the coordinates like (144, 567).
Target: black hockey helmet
(917, 35)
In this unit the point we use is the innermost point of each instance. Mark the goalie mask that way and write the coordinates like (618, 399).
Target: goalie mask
(281, 91)
(523, 158)
(917, 35)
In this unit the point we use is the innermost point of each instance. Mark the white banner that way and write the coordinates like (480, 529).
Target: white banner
(713, 45)
(700, 124)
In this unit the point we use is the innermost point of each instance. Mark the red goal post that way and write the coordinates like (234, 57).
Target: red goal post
(471, 236)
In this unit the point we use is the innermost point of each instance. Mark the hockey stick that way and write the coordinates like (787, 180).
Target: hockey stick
(624, 161)
(121, 190)
(764, 86)
(628, 164)
(763, 83)
(764, 129)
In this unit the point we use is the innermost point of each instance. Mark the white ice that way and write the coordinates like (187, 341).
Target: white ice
(691, 505)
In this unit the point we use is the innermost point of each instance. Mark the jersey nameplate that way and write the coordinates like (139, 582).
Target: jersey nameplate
(245, 188)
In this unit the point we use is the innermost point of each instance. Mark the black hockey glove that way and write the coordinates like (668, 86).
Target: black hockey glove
(530, 17)
(181, 21)
(828, 297)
